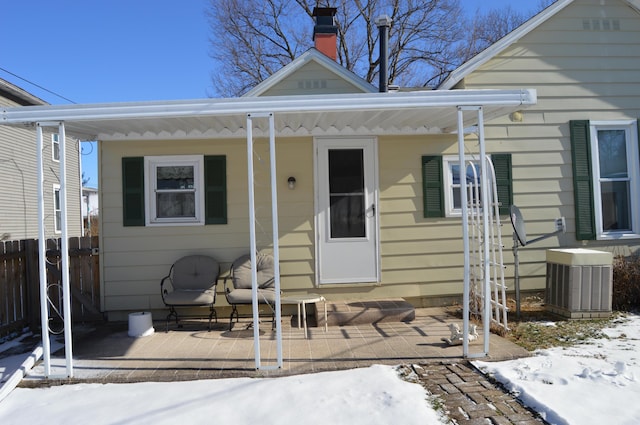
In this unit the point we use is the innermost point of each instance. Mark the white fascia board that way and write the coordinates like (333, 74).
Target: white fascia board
(483, 57)
(311, 55)
(284, 104)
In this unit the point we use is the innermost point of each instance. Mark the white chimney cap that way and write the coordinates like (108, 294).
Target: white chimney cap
(383, 21)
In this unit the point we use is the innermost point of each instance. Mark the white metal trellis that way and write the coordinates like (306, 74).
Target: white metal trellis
(496, 304)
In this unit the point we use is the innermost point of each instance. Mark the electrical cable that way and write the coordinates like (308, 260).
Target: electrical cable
(37, 85)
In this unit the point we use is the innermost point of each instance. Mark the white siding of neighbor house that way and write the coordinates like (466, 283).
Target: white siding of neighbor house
(19, 179)
(579, 73)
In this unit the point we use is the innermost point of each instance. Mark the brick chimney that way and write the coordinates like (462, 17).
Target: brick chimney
(325, 32)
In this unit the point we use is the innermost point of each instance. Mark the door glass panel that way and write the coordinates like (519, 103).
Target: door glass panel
(346, 193)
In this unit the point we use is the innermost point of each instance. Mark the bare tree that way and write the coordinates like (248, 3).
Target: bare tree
(428, 38)
(489, 27)
(252, 40)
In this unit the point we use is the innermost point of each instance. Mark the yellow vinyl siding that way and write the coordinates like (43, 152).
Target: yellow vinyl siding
(579, 74)
(136, 258)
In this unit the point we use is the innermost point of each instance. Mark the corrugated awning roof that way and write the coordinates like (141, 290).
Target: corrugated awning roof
(421, 112)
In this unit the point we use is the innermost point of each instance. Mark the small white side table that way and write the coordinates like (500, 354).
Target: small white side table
(302, 301)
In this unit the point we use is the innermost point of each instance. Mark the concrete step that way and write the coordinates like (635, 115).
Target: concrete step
(363, 312)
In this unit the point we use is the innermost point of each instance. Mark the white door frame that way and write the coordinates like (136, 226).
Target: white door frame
(372, 227)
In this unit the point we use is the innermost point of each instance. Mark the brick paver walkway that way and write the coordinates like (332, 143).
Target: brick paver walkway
(469, 398)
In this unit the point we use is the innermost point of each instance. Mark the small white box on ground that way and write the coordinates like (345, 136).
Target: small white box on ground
(140, 324)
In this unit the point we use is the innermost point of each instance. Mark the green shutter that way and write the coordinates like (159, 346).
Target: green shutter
(582, 180)
(504, 180)
(215, 195)
(432, 186)
(133, 191)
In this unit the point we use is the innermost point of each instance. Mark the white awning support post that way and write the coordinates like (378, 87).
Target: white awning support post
(484, 185)
(252, 235)
(42, 257)
(276, 233)
(465, 233)
(64, 251)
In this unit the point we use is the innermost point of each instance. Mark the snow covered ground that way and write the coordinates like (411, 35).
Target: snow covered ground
(374, 395)
(593, 383)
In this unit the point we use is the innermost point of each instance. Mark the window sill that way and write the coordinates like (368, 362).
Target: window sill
(174, 223)
(617, 236)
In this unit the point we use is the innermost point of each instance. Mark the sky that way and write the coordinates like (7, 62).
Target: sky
(594, 383)
(119, 50)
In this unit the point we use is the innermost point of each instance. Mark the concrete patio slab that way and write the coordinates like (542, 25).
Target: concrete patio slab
(105, 353)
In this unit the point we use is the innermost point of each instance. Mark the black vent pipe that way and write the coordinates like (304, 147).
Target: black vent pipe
(383, 23)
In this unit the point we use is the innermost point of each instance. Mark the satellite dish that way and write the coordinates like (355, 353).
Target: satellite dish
(518, 224)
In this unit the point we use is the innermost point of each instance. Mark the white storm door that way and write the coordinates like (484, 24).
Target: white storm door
(346, 213)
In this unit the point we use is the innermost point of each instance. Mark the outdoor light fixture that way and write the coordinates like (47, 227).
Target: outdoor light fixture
(292, 182)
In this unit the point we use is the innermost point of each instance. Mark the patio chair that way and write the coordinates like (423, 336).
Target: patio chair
(191, 282)
(240, 277)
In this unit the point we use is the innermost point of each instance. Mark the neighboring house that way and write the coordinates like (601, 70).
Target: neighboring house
(90, 209)
(368, 204)
(18, 175)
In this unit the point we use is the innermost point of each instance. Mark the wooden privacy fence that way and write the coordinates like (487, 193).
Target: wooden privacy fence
(20, 283)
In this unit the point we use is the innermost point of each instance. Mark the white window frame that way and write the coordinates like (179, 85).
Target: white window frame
(150, 166)
(447, 162)
(631, 133)
(57, 209)
(55, 147)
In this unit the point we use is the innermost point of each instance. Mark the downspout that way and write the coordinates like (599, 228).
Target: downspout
(383, 22)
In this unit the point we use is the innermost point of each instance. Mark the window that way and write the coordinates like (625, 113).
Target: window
(174, 190)
(57, 210)
(452, 196)
(606, 176)
(441, 184)
(55, 147)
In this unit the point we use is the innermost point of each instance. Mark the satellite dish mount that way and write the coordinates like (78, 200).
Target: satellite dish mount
(520, 239)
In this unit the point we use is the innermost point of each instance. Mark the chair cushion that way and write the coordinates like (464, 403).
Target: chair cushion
(241, 273)
(243, 296)
(189, 297)
(195, 272)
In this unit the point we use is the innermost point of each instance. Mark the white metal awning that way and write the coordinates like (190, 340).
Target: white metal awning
(419, 112)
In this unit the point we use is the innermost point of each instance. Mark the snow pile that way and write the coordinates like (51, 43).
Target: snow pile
(374, 395)
(593, 383)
